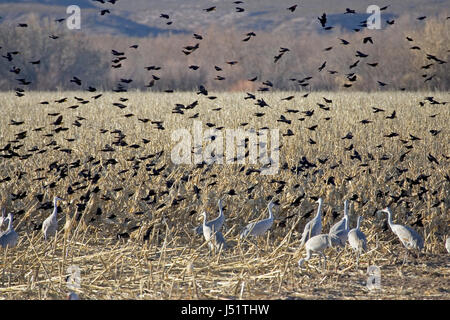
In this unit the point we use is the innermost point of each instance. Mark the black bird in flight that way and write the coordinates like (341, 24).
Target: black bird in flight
(322, 66)
(250, 96)
(209, 9)
(435, 132)
(292, 8)
(360, 54)
(432, 159)
(117, 53)
(76, 81)
(368, 39)
(354, 65)
(375, 110)
(283, 119)
(391, 135)
(15, 123)
(58, 121)
(392, 116)
(202, 90)
(323, 19)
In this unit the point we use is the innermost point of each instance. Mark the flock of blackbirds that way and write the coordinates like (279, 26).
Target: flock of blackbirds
(91, 168)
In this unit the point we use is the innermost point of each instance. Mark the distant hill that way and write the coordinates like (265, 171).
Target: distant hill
(141, 18)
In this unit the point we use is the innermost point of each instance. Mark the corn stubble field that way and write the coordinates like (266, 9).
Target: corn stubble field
(137, 242)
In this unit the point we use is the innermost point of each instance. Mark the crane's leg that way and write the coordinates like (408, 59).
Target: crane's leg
(406, 256)
(358, 252)
(417, 257)
(324, 261)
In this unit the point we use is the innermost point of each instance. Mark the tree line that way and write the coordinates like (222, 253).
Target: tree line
(392, 59)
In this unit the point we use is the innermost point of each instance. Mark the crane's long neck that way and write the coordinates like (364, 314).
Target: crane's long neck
(55, 208)
(270, 212)
(389, 213)
(319, 210)
(346, 214)
(358, 223)
(204, 219)
(220, 209)
(10, 222)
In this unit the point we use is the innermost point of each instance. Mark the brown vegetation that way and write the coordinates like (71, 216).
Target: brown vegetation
(164, 259)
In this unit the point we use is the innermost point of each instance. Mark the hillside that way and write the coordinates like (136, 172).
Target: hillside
(140, 18)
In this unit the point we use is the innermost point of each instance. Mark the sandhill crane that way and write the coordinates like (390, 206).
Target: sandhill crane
(407, 235)
(259, 227)
(9, 237)
(214, 238)
(313, 227)
(447, 244)
(357, 240)
(217, 223)
(317, 244)
(50, 225)
(340, 230)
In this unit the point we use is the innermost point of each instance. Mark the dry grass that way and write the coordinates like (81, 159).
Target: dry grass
(172, 263)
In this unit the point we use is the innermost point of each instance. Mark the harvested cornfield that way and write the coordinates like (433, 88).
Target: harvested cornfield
(127, 221)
